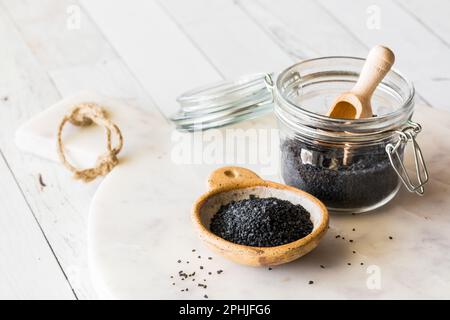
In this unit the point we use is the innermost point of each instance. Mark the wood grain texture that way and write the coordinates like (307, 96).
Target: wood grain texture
(28, 267)
(432, 15)
(61, 206)
(233, 43)
(319, 29)
(162, 58)
(420, 55)
(302, 28)
(25, 89)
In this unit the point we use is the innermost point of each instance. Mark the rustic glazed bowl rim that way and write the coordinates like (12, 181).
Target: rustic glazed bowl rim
(317, 231)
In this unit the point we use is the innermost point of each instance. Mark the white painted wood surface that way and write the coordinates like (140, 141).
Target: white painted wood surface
(28, 269)
(146, 53)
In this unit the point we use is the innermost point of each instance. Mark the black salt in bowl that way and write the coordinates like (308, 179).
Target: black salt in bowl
(227, 189)
(261, 222)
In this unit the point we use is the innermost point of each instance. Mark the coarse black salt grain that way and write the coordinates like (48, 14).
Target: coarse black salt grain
(310, 282)
(261, 222)
(322, 266)
(390, 238)
(363, 179)
(205, 296)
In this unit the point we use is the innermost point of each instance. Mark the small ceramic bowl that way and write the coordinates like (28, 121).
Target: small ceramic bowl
(234, 183)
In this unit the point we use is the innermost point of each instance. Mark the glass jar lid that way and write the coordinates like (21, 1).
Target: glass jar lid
(224, 103)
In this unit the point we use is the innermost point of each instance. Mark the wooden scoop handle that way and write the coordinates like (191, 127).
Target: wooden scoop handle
(231, 177)
(377, 65)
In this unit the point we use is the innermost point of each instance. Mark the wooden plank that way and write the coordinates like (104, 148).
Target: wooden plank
(161, 57)
(233, 43)
(302, 28)
(58, 33)
(420, 55)
(109, 77)
(279, 27)
(61, 205)
(328, 37)
(57, 47)
(28, 268)
(206, 32)
(432, 15)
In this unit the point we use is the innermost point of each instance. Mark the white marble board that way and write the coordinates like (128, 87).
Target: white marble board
(139, 224)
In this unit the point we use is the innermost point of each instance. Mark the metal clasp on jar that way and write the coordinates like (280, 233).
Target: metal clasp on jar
(408, 134)
(270, 84)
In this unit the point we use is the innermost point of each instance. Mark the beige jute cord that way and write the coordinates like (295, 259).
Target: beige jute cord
(83, 115)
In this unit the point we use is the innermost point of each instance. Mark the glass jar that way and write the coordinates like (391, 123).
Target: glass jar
(350, 165)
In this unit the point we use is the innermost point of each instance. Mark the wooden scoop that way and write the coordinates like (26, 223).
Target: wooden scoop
(355, 103)
(234, 183)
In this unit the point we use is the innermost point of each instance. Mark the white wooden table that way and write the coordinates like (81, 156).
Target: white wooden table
(146, 52)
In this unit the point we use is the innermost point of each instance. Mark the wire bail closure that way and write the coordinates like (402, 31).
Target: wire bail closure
(406, 135)
(269, 81)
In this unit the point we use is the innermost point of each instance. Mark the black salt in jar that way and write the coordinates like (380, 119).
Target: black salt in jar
(365, 179)
(350, 165)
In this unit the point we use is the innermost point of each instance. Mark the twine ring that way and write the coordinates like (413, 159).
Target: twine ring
(84, 115)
